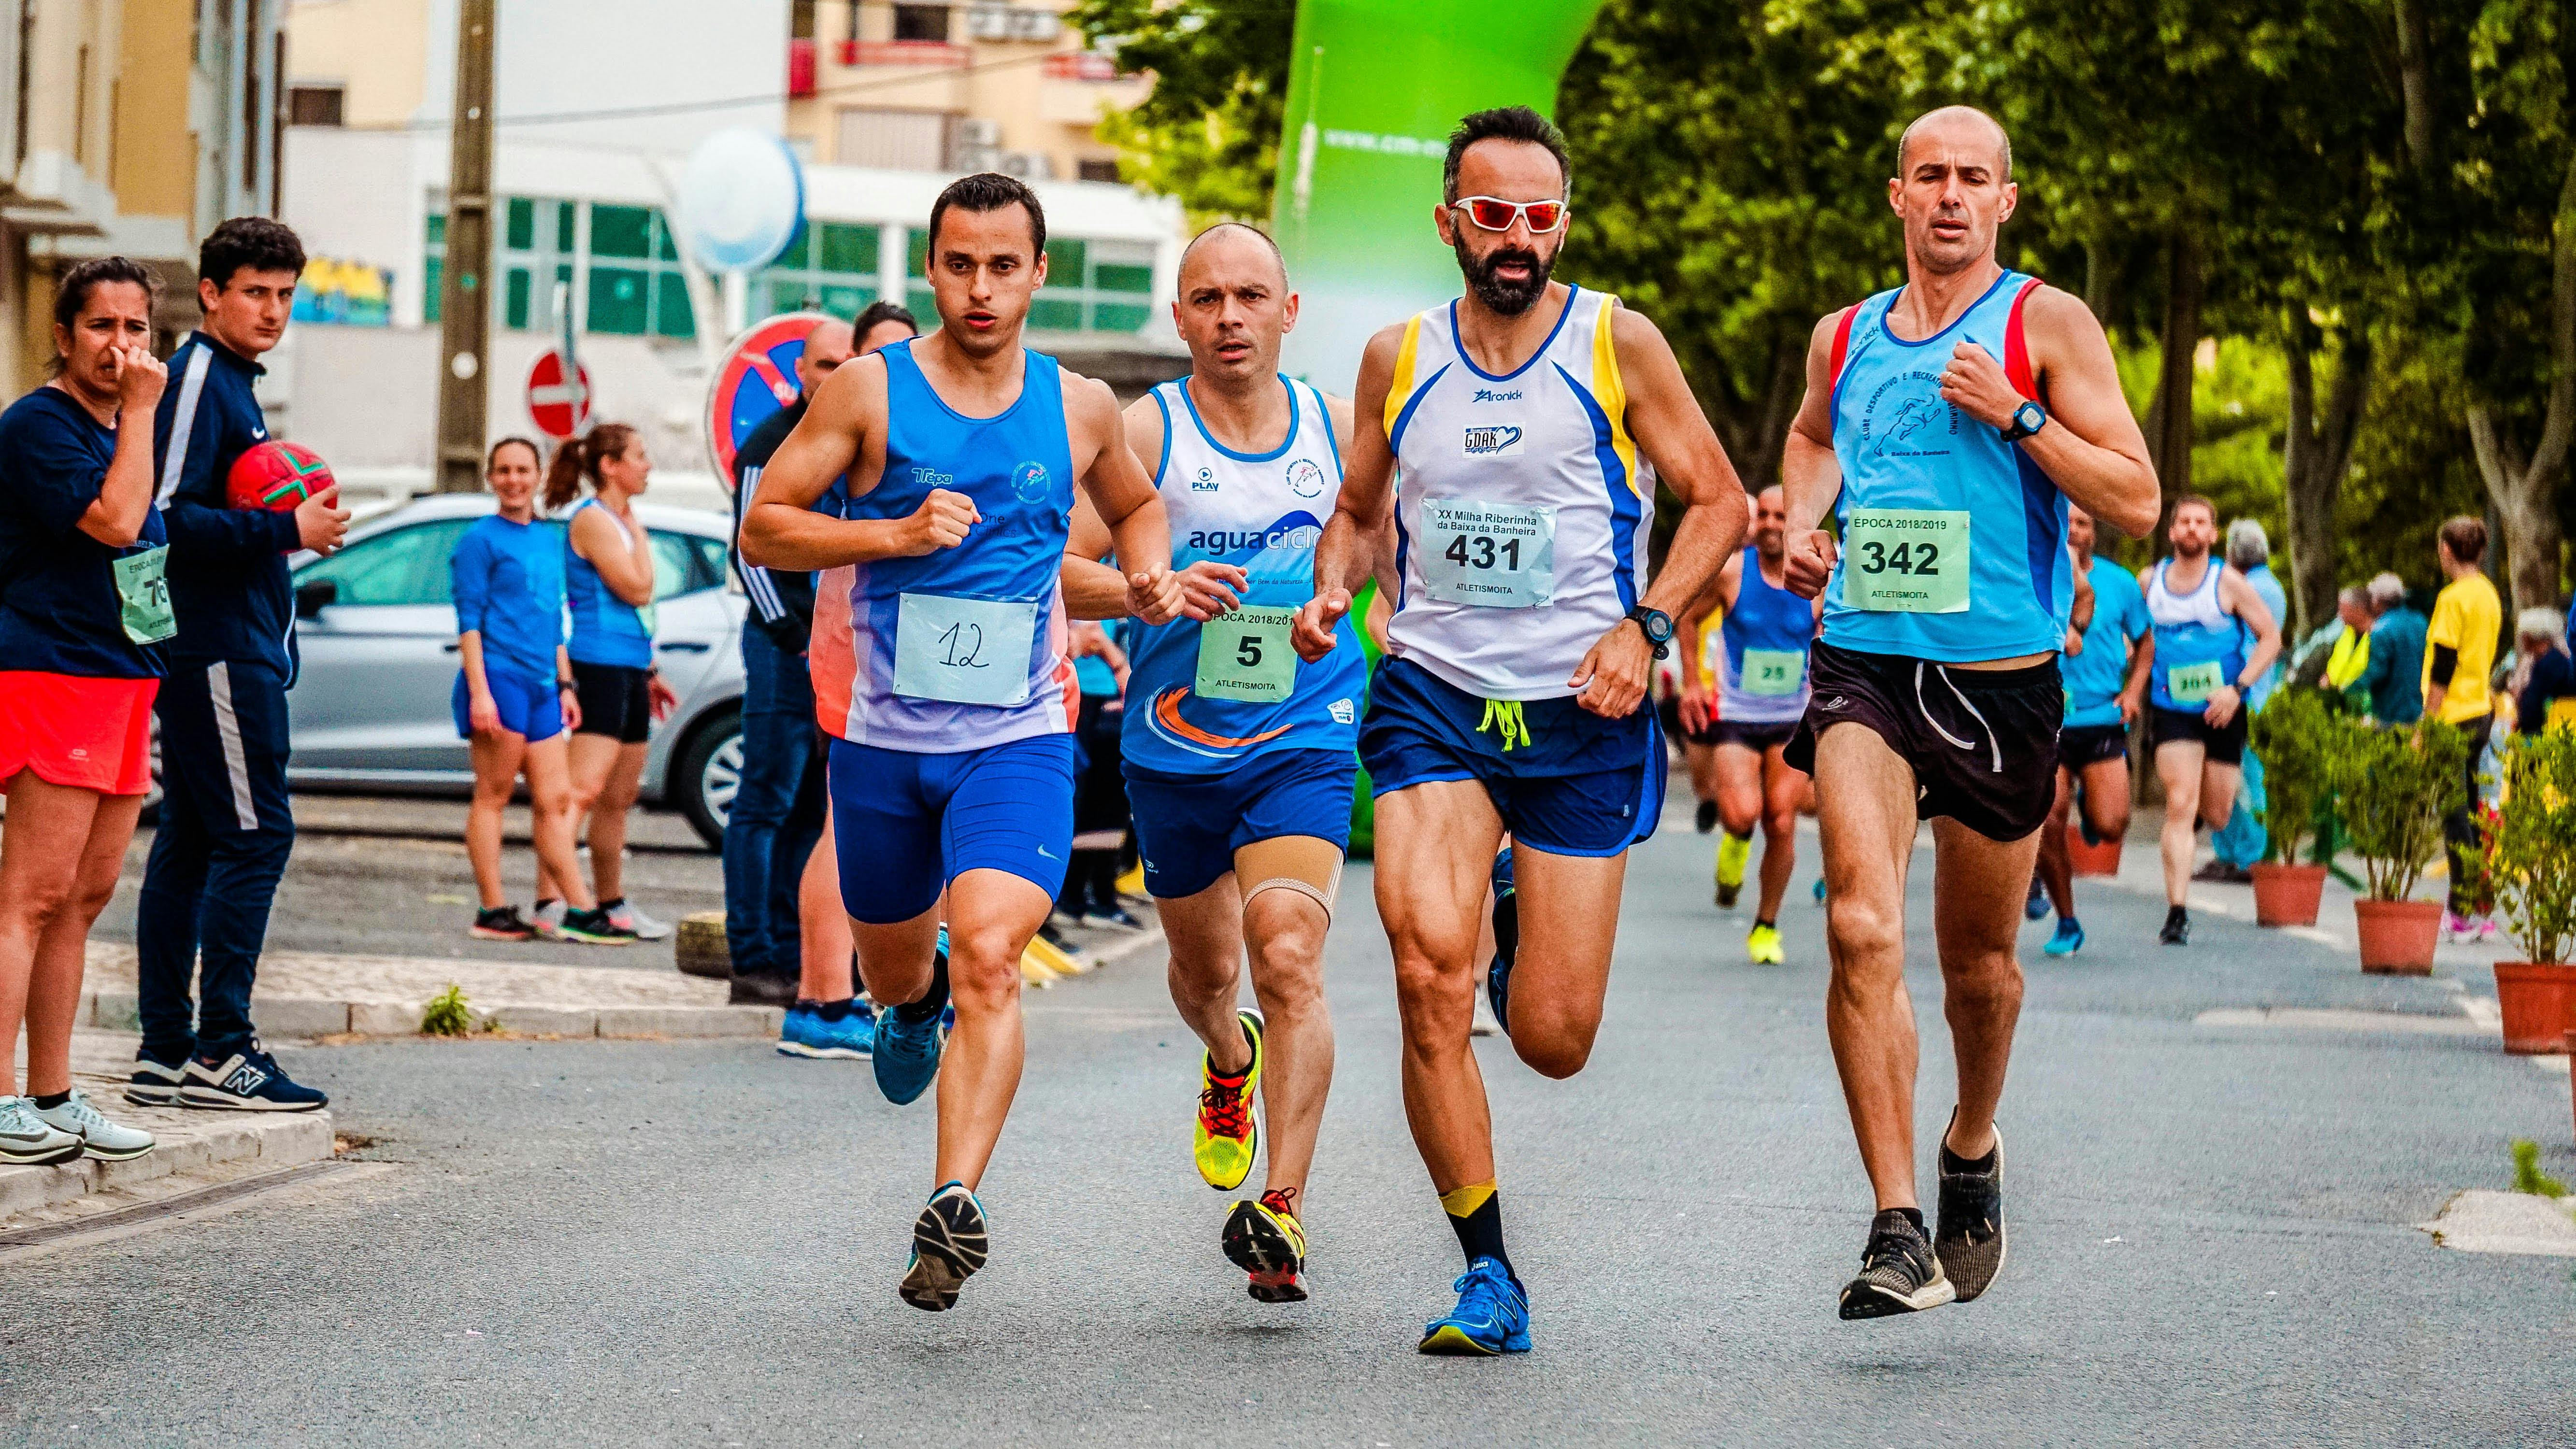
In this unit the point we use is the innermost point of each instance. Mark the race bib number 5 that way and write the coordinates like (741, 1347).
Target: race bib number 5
(1492, 555)
(964, 651)
(1245, 656)
(1906, 560)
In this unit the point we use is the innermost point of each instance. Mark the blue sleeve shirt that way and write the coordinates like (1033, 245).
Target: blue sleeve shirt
(2093, 678)
(508, 583)
(60, 612)
(228, 578)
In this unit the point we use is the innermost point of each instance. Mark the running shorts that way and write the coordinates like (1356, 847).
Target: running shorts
(1759, 738)
(2082, 745)
(1188, 827)
(615, 701)
(906, 824)
(1982, 742)
(531, 707)
(2225, 746)
(1669, 715)
(74, 730)
(1565, 780)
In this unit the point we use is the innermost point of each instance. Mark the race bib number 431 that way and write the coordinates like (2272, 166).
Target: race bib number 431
(1908, 560)
(1493, 555)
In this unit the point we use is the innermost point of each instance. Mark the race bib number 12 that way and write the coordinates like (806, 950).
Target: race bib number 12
(964, 651)
(1906, 560)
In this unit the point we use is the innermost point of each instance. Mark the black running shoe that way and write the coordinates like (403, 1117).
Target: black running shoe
(1969, 1236)
(1706, 820)
(2036, 904)
(2177, 931)
(502, 923)
(948, 1245)
(1507, 940)
(1265, 1240)
(593, 928)
(1899, 1272)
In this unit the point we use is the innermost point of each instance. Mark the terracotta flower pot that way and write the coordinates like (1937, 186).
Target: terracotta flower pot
(2539, 1002)
(2398, 937)
(2287, 895)
(2571, 1054)
(2103, 859)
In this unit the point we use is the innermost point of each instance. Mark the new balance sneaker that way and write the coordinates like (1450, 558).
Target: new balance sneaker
(546, 919)
(501, 923)
(1969, 1237)
(2069, 938)
(1264, 1239)
(155, 1083)
(593, 928)
(246, 1080)
(1492, 1315)
(622, 914)
(906, 1051)
(28, 1140)
(1733, 851)
(1899, 1272)
(1227, 1136)
(949, 1242)
(1507, 940)
(99, 1137)
(808, 1033)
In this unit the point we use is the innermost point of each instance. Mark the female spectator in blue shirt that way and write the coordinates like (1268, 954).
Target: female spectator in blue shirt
(514, 696)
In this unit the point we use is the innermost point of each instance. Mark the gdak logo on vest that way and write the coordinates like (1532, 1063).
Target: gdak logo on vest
(1492, 440)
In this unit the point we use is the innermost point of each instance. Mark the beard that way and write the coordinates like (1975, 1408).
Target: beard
(1510, 299)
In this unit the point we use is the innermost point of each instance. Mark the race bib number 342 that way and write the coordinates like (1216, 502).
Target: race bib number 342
(1906, 560)
(1492, 555)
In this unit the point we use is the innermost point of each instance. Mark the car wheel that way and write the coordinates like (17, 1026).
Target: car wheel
(707, 774)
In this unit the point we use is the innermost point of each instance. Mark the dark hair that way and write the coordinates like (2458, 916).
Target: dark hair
(71, 294)
(2466, 538)
(578, 458)
(990, 191)
(877, 314)
(1503, 123)
(492, 459)
(248, 241)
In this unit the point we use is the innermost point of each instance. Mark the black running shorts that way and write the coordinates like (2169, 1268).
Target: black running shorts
(1759, 738)
(614, 702)
(1982, 742)
(2082, 745)
(2226, 746)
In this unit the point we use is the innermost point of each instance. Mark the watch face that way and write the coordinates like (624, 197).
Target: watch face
(2029, 416)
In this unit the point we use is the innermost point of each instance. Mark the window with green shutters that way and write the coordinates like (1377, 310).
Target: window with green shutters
(433, 265)
(916, 271)
(636, 286)
(831, 266)
(536, 254)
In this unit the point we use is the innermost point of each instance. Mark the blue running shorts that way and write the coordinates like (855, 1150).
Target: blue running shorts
(530, 707)
(907, 824)
(1188, 827)
(1565, 780)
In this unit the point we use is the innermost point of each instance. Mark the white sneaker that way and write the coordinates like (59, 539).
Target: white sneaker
(99, 1137)
(625, 917)
(547, 917)
(1484, 1023)
(28, 1140)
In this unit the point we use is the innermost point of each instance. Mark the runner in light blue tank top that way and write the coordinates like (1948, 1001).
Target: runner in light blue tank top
(605, 628)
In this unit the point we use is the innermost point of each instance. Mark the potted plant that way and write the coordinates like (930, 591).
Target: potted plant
(2393, 786)
(2289, 736)
(2530, 864)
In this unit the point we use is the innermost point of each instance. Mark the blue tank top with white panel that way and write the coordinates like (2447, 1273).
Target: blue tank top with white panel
(2199, 645)
(605, 628)
(1769, 629)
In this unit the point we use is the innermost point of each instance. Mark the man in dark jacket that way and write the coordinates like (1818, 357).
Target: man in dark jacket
(225, 828)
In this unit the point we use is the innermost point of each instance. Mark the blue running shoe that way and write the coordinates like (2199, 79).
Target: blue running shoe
(907, 1052)
(2036, 905)
(1492, 1315)
(2069, 938)
(949, 1242)
(1507, 940)
(244, 1079)
(807, 1033)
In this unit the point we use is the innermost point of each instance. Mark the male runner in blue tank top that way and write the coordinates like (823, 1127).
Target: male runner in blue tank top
(1946, 424)
(940, 668)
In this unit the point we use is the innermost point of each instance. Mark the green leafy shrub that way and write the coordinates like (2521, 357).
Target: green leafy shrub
(447, 1014)
(2291, 736)
(2527, 1176)
(2392, 788)
(2530, 860)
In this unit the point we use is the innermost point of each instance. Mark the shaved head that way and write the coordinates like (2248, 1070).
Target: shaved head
(1948, 118)
(1233, 233)
(826, 347)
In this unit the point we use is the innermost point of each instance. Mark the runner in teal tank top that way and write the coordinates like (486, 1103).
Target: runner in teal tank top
(1947, 425)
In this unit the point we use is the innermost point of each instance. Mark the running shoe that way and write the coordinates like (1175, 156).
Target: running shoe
(2488, 930)
(2462, 930)
(1484, 1023)
(1115, 918)
(99, 1137)
(1820, 890)
(1492, 1315)
(155, 1083)
(808, 1033)
(1899, 1272)
(1507, 940)
(1763, 946)
(2068, 940)
(1969, 1238)
(593, 928)
(1048, 933)
(949, 1243)
(245, 1080)
(28, 1140)
(1264, 1239)
(623, 915)
(546, 919)
(2037, 905)
(1706, 820)
(501, 923)
(1228, 1136)
(1732, 852)
(2223, 872)
(907, 1052)
(2177, 931)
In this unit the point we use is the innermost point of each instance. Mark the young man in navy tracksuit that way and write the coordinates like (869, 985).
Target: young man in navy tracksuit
(225, 829)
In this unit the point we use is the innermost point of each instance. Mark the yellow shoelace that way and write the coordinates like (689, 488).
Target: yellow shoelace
(1504, 716)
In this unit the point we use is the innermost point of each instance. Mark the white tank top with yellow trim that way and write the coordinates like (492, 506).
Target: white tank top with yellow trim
(1521, 509)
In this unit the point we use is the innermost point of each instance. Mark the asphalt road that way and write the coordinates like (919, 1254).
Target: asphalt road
(699, 1244)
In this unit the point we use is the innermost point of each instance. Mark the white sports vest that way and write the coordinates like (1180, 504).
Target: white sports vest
(1521, 511)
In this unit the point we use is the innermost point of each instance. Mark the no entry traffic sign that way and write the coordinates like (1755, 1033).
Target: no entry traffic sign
(758, 379)
(560, 409)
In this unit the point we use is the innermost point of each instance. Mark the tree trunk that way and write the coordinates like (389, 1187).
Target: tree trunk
(2097, 280)
(2169, 437)
(2320, 449)
(2415, 83)
(2525, 489)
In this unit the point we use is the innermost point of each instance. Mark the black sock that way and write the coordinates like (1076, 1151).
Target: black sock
(51, 1100)
(833, 1010)
(1480, 1226)
(1765, 922)
(1952, 1162)
(933, 1001)
(612, 905)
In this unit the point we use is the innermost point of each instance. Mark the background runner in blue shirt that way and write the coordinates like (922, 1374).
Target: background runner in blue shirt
(2093, 745)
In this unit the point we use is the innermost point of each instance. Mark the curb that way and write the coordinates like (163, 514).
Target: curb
(304, 1016)
(225, 1140)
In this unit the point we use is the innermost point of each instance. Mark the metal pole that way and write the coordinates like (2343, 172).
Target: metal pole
(465, 309)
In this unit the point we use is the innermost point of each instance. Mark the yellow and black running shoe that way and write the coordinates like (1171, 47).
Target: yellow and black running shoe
(1733, 851)
(1228, 1136)
(1263, 1239)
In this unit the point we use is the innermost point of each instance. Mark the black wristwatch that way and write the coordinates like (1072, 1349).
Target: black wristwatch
(2027, 419)
(1656, 625)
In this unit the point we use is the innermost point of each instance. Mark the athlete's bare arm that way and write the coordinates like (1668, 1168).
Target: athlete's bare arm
(842, 432)
(2236, 595)
(1094, 590)
(2091, 447)
(1696, 685)
(2080, 617)
(1810, 475)
(2142, 665)
(1361, 512)
(1123, 495)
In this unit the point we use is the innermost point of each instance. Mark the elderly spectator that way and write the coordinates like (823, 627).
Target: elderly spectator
(2393, 679)
(2545, 682)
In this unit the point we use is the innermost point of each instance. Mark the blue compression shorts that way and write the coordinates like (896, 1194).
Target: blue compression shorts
(530, 707)
(906, 824)
(1188, 827)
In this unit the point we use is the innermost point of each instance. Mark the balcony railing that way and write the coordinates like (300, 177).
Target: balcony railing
(800, 67)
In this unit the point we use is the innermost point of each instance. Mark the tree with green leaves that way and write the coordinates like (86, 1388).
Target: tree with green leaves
(1208, 133)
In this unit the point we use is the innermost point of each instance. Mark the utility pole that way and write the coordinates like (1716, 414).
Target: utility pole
(465, 311)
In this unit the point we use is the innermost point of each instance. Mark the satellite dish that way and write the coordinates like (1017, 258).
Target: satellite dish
(741, 200)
